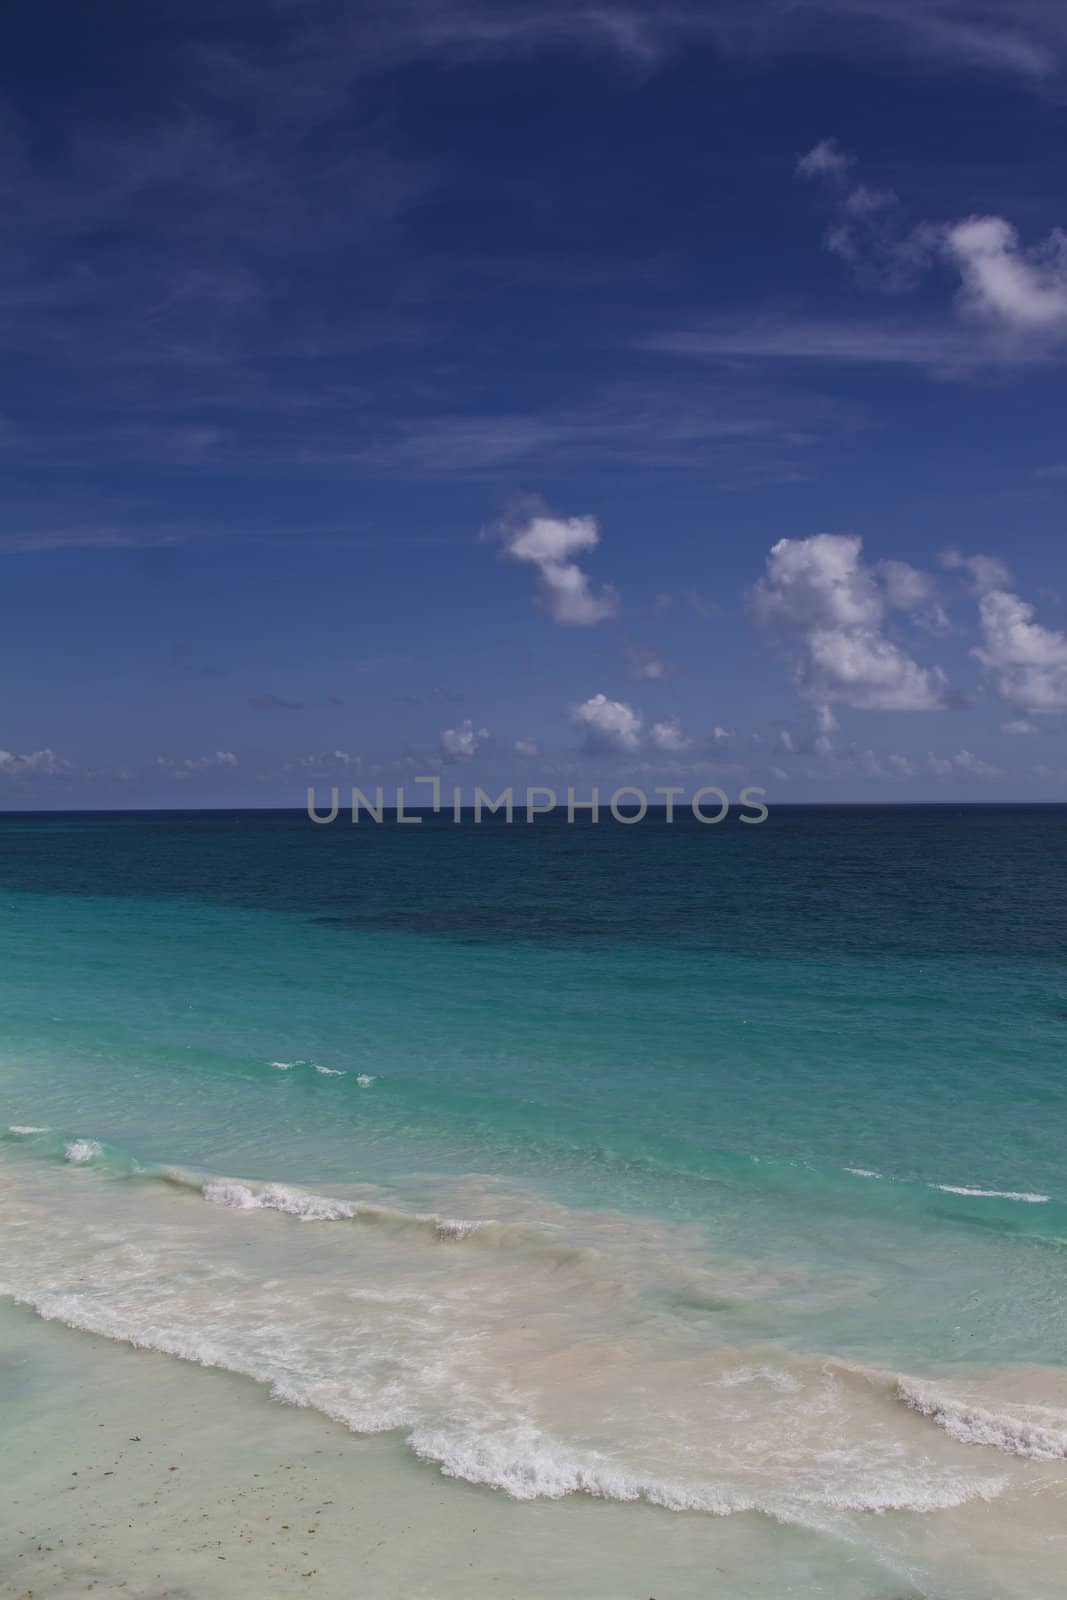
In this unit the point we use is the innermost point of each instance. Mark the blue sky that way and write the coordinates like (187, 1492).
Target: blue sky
(533, 393)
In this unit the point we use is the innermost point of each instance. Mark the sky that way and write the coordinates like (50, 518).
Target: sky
(528, 392)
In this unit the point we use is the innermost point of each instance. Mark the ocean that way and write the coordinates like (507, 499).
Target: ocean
(588, 1210)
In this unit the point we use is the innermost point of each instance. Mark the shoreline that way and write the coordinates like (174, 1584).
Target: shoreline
(135, 1476)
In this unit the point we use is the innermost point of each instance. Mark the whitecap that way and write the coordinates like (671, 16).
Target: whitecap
(275, 1197)
(454, 1227)
(528, 1464)
(972, 1424)
(994, 1194)
(82, 1150)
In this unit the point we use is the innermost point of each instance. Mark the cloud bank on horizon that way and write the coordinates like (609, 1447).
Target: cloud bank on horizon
(594, 390)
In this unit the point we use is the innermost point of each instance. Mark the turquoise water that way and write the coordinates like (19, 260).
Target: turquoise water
(733, 1108)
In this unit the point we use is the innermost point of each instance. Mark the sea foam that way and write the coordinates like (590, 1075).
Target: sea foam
(993, 1194)
(82, 1150)
(975, 1424)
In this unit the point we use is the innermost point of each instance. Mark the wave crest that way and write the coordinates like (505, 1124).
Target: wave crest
(975, 1424)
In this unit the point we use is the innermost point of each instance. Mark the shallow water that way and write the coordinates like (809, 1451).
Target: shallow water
(699, 1191)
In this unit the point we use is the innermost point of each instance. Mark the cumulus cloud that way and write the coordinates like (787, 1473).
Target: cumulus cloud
(963, 764)
(1020, 727)
(1005, 284)
(609, 726)
(669, 737)
(327, 761)
(192, 764)
(43, 763)
(1028, 662)
(527, 747)
(462, 742)
(615, 727)
(550, 544)
(820, 594)
(1018, 294)
(872, 764)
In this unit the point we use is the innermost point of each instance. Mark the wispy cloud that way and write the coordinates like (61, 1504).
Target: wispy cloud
(844, 342)
(628, 425)
(1027, 38)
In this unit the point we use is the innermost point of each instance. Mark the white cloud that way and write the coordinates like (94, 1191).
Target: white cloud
(985, 572)
(527, 747)
(866, 670)
(945, 351)
(819, 592)
(825, 728)
(668, 736)
(609, 725)
(191, 764)
(1021, 290)
(549, 544)
(910, 590)
(1026, 38)
(327, 761)
(718, 733)
(964, 763)
(867, 230)
(824, 160)
(645, 662)
(1019, 295)
(972, 764)
(1027, 661)
(818, 582)
(460, 744)
(45, 763)
(1020, 728)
